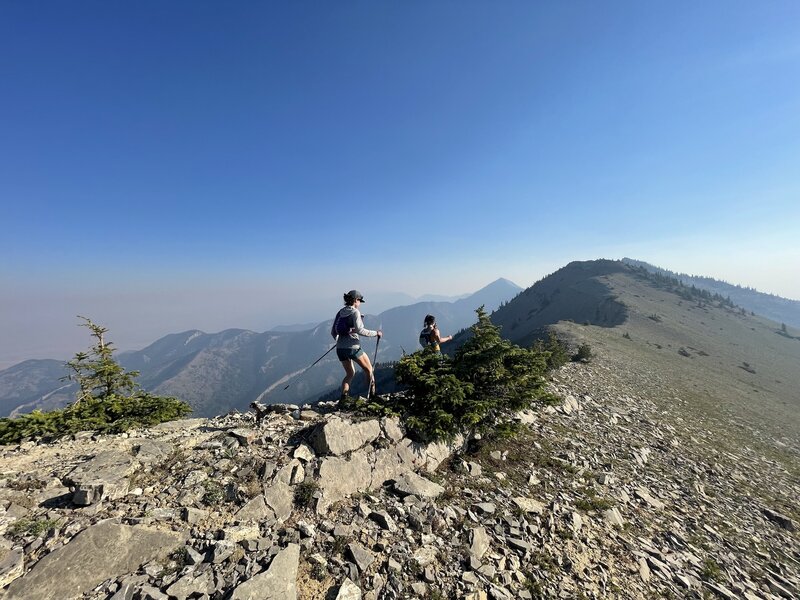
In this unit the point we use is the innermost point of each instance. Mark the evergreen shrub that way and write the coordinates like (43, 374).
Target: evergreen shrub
(487, 381)
(584, 353)
(108, 400)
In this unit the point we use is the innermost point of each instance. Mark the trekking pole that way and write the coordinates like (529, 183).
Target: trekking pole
(311, 365)
(375, 360)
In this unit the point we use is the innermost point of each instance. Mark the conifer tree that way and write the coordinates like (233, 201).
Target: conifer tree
(96, 372)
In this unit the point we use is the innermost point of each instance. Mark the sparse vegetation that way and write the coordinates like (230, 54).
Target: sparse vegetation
(34, 528)
(711, 570)
(214, 492)
(304, 493)
(584, 354)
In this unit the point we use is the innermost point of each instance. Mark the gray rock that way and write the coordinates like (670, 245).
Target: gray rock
(111, 550)
(105, 475)
(473, 468)
(239, 533)
(304, 452)
(337, 436)
(339, 477)
(348, 591)
(194, 478)
(486, 508)
(644, 494)
(362, 557)
(256, 509)
(519, 544)
(479, 542)
(221, 550)
(148, 592)
(11, 565)
(280, 498)
(383, 519)
(392, 429)
(612, 516)
(149, 451)
(244, 436)
(87, 494)
(194, 515)
(782, 520)
(528, 505)
(411, 484)
(192, 584)
(278, 582)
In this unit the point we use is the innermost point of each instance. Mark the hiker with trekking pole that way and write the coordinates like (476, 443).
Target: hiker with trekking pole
(347, 326)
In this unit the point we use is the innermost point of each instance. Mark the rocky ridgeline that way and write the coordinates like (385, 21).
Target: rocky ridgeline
(610, 495)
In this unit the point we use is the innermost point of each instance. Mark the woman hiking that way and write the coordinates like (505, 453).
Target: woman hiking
(430, 337)
(347, 326)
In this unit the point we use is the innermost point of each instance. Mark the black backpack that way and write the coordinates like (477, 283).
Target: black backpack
(344, 325)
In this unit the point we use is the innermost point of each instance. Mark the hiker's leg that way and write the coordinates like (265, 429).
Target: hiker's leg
(364, 363)
(349, 373)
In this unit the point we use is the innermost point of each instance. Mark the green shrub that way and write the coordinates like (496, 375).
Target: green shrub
(584, 353)
(555, 351)
(108, 400)
(435, 404)
(213, 492)
(488, 380)
(25, 527)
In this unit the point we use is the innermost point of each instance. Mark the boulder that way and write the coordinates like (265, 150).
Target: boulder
(103, 551)
(280, 498)
(528, 505)
(11, 565)
(278, 582)
(339, 477)
(479, 542)
(256, 509)
(102, 476)
(337, 436)
(411, 484)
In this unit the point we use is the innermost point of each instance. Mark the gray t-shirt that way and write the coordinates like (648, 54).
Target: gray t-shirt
(350, 340)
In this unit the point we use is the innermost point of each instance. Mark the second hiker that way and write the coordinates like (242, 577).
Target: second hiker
(347, 326)
(430, 337)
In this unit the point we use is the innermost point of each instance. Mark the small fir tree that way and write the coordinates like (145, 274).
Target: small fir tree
(96, 372)
(108, 400)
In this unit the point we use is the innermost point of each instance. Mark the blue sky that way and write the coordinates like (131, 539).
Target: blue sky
(166, 166)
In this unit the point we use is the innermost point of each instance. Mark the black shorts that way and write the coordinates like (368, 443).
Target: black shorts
(346, 354)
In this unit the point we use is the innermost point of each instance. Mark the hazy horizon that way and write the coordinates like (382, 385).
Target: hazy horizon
(194, 165)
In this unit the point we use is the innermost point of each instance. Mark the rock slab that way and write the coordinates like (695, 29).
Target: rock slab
(278, 582)
(111, 549)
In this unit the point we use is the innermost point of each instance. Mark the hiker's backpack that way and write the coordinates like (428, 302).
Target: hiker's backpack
(344, 325)
(425, 337)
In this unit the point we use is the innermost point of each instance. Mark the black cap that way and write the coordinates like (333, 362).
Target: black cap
(355, 295)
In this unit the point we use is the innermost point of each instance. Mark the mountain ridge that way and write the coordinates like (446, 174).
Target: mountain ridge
(772, 306)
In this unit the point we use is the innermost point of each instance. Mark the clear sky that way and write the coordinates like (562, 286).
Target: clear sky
(175, 165)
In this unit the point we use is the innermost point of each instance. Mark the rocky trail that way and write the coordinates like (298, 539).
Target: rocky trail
(621, 491)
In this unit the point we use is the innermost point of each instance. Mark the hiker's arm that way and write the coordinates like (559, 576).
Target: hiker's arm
(360, 330)
(437, 337)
